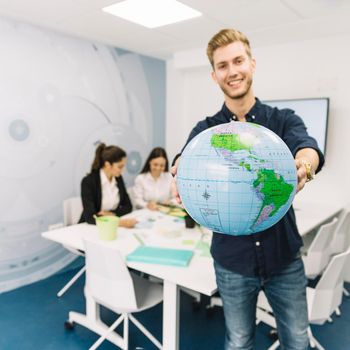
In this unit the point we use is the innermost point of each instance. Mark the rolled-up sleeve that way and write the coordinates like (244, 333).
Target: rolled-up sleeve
(296, 137)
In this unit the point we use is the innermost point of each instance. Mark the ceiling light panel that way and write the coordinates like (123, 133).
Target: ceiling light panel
(152, 13)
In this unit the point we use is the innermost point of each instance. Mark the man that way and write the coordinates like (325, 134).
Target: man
(269, 260)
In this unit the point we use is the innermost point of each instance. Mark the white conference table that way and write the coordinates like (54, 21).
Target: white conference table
(311, 214)
(198, 276)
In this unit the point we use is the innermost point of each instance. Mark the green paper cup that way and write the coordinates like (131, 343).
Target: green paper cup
(107, 227)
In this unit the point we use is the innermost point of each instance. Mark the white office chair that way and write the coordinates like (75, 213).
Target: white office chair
(341, 237)
(322, 300)
(347, 275)
(72, 209)
(319, 253)
(109, 283)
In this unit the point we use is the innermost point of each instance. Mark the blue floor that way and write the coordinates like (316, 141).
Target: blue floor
(32, 318)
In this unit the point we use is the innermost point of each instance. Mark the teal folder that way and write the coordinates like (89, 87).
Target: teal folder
(163, 256)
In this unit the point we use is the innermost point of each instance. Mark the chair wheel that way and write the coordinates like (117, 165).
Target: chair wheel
(273, 335)
(209, 311)
(196, 305)
(68, 325)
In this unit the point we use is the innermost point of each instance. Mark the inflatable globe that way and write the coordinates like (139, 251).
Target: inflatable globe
(237, 178)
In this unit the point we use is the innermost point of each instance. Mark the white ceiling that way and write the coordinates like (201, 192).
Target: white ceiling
(266, 22)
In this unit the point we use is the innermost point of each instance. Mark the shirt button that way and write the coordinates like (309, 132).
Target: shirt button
(257, 244)
(253, 117)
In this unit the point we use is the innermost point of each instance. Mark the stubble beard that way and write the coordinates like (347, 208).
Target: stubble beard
(240, 95)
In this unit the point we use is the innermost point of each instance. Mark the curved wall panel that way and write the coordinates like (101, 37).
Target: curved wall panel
(59, 97)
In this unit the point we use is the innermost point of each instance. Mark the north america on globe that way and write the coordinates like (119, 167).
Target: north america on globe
(237, 178)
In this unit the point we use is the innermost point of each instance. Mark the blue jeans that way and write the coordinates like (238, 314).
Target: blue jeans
(286, 293)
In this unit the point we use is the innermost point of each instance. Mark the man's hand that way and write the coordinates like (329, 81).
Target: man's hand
(308, 155)
(174, 185)
(301, 173)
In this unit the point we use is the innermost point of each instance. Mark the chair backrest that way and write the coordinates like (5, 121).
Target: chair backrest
(329, 289)
(108, 280)
(72, 209)
(341, 237)
(347, 271)
(319, 252)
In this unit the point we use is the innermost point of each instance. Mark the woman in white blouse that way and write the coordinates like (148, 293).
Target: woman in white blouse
(153, 184)
(103, 191)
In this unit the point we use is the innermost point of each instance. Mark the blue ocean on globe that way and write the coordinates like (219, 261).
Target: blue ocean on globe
(237, 178)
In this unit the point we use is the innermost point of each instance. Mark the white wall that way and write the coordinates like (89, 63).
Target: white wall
(317, 68)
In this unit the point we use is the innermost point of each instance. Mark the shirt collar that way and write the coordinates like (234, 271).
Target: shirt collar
(149, 176)
(104, 179)
(250, 116)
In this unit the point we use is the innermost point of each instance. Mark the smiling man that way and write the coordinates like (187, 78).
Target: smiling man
(269, 260)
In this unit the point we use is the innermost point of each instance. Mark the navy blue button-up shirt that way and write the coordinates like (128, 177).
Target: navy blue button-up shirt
(264, 253)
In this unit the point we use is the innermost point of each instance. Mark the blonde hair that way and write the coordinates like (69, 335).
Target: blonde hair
(224, 38)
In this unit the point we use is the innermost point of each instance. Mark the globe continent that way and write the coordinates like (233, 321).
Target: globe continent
(237, 178)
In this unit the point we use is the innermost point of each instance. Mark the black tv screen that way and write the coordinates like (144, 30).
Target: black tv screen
(313, 111)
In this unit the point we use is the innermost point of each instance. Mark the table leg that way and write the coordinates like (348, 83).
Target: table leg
(171, 315)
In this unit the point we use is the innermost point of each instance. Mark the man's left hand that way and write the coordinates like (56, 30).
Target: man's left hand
(301, 173)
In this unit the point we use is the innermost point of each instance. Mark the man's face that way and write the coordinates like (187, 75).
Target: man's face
(233, 70)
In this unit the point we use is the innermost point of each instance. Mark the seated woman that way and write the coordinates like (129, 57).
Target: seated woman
(153, 184)
(103, 191)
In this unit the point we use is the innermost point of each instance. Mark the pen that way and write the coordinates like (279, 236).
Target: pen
(139, 239)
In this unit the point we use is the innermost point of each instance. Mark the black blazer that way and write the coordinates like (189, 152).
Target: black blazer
(91, 195)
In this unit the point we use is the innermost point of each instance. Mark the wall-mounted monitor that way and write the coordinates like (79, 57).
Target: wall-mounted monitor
(313, 111)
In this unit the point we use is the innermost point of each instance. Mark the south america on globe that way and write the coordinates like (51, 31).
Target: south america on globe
(237, 178)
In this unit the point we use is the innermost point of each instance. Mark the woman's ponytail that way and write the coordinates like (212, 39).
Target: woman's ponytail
(111, 154)
(97, 163)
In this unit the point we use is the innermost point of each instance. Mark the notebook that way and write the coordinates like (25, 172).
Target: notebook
(163, 256)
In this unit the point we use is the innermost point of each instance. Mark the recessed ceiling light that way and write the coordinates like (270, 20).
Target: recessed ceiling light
(152, 13)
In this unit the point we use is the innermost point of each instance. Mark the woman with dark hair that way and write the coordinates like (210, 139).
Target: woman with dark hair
(153, 184)
(103, 190)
